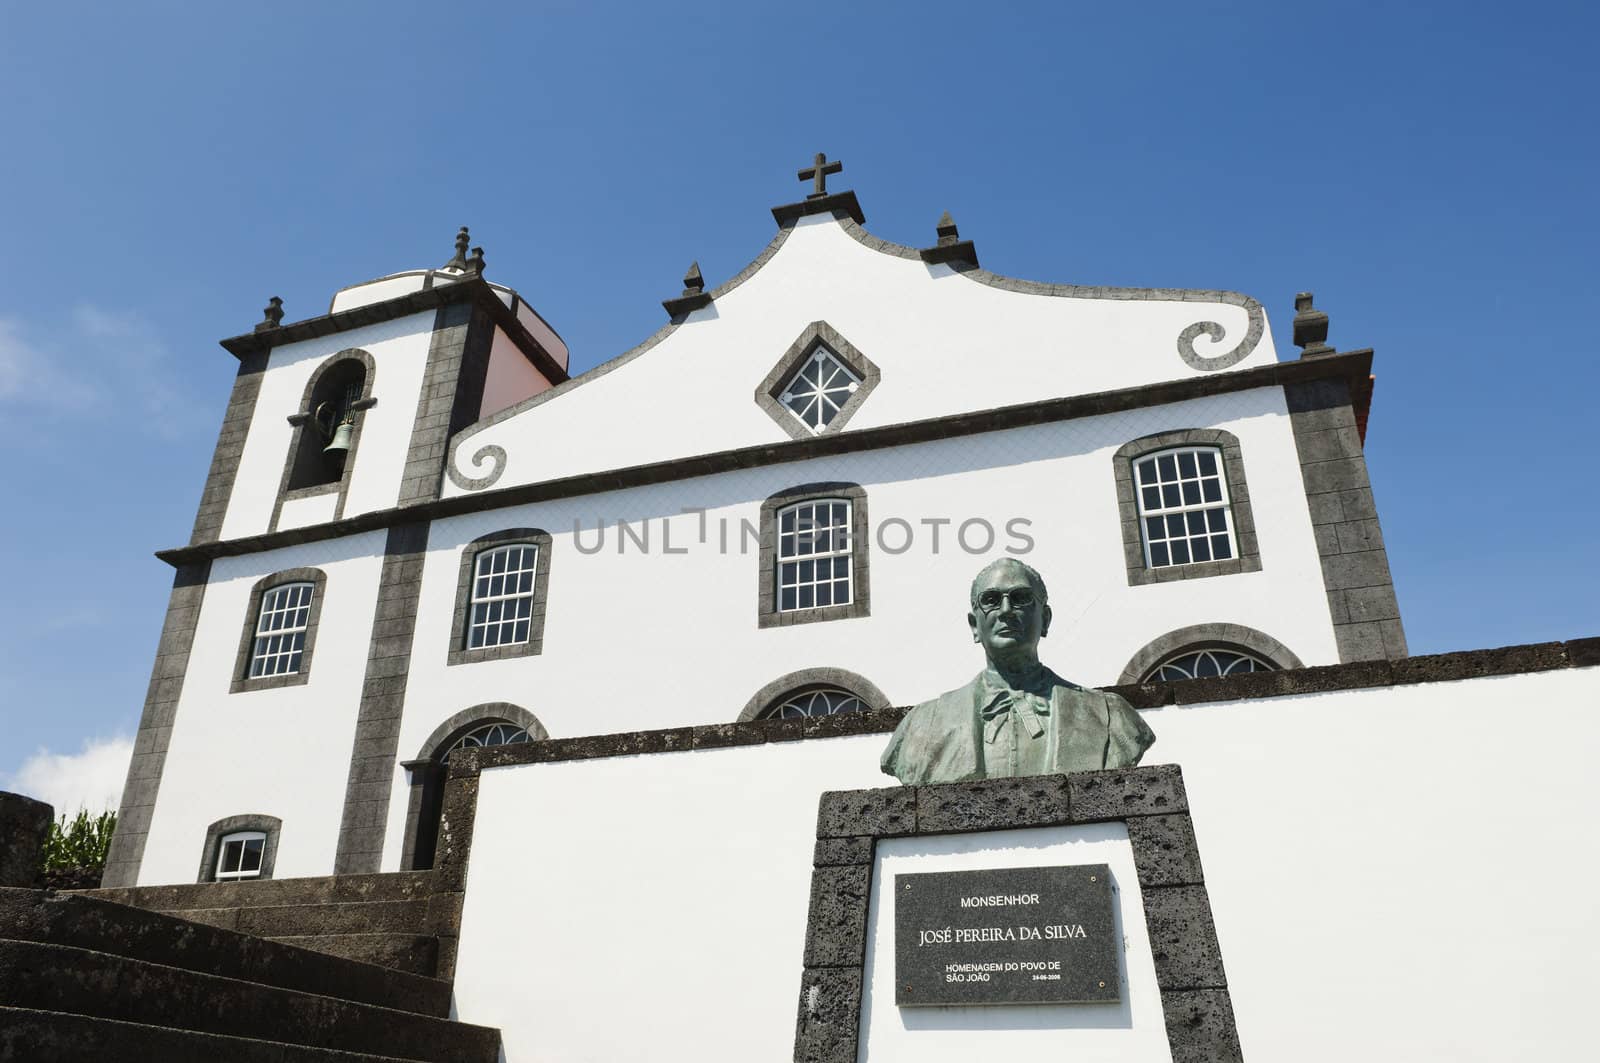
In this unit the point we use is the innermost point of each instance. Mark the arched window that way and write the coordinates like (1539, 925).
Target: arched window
(327, 424)
(490, 734)
(1203, 651)
(815, 701)
(813, 692)
(1205, 662)
(493, 724)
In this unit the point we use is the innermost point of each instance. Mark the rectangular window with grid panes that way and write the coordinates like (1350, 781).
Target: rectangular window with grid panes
(502, 596)
(813, 557)
(1184, 513)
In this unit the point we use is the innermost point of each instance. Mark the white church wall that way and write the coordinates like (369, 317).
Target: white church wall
(510, 377)
(284, 752)
(304, 512)
(399, 348)
(1389, 877)
(624, 632)
(944, 343)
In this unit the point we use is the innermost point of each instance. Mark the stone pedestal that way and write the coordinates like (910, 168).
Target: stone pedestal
(24, 826)
(1177, 939)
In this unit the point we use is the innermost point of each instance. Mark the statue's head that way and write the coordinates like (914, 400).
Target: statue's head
(1010, 612)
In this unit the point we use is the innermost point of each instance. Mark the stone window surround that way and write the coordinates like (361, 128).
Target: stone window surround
(459, 653)
(1208, 636)
(767, 612)
(1247, 552)
(302, 417)
(793, 683)
(252, 615)
(818, 333)
(1150, 801)
(426, 774)
(271, 826)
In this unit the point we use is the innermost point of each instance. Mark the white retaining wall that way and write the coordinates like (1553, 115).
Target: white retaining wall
(1396, 873)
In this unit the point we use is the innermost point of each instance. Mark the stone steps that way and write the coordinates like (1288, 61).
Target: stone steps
(103, 926)
(301, 920)
(393, 919)
(411, 953)
(92, 980)
(77, 981)
(31, 1036)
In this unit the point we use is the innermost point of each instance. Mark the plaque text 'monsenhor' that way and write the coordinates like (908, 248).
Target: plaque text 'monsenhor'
(1024, 935)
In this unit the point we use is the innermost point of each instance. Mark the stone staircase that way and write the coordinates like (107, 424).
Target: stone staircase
(85, 979)
(394, 920)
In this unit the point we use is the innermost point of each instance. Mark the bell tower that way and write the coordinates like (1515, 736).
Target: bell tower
(350, 412)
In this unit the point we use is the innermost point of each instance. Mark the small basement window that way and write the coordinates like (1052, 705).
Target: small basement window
(239, 855)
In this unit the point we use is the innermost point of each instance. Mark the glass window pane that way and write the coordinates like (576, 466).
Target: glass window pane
(1186, 463)
(1168, 466)
(1208, 462)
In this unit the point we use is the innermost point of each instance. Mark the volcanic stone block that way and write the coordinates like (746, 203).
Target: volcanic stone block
(887, 812)
(836, 929)
(835, 852)
(993, 804)
(1183, 938)
(1164, 851)
(1101, 795)
(829, 1015)
(1200, 1026)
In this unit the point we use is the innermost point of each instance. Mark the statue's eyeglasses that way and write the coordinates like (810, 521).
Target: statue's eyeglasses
(994, 601)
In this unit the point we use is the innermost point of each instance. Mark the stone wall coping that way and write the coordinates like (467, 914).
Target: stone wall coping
(1352, 365)
(1435, 668)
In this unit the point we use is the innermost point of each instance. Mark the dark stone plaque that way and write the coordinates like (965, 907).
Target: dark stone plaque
(1023, 935)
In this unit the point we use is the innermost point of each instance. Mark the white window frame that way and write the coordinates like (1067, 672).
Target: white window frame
(528, 572)
(1183, 508)
(841, 546)
(260, 655)
(244, 837)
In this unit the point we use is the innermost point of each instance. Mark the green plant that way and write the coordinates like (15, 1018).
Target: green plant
(79, 844)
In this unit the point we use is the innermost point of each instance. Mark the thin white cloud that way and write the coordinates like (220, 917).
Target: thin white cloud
(90, 779)
(112, 364)
(19, 361)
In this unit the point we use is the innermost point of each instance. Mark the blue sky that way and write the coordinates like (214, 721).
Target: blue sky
(1427, 169)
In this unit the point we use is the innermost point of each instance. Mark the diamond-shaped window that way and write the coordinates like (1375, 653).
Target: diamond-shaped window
(818, 384)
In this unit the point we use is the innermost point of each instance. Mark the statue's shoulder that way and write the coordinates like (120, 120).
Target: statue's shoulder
(958, 700)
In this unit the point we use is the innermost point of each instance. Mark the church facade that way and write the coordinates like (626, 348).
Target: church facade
(418, 532)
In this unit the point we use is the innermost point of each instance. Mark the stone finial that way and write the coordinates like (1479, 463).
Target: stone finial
(272, 315)
(460, 259)
(1310, 327)
(949, 247)
(818, 173)
(694, 295)
(475, 263)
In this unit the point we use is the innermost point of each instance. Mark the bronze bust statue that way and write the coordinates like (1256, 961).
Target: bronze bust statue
(1016, 717)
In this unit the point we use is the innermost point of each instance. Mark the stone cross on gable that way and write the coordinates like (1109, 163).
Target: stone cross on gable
(819, 171)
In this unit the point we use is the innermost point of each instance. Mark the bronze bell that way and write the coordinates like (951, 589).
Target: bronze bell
(341, 438)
